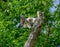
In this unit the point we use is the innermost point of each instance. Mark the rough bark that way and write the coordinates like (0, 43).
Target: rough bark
(36, 29)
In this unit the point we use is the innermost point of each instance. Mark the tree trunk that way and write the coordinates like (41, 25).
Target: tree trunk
(36, 29)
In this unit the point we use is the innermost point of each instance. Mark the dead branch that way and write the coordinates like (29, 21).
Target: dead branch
(48, 30)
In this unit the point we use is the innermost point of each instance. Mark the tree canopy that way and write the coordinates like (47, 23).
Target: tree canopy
(10, 12)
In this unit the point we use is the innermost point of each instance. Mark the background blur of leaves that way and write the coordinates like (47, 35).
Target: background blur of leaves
(10, 12)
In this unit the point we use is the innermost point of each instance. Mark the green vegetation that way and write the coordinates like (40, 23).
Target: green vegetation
(11, 36)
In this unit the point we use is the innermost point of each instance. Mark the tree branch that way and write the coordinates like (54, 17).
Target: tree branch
(36, 29)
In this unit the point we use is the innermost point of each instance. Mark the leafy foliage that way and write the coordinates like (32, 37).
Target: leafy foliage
(11, 36)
